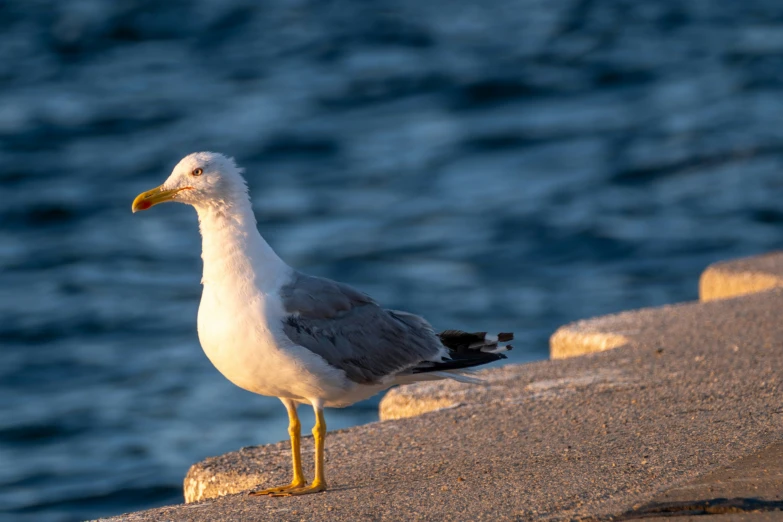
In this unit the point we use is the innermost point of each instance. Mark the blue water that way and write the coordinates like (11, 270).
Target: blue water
(505, 165)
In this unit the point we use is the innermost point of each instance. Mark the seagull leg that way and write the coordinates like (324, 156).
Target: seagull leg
(295, 431)
(319, 434)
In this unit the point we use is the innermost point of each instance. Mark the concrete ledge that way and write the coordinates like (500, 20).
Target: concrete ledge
(587, 336)
(696, 387)
(579, 338)
(417, 399)
(210, 478)
(722, 280)
(613, 331)
(741, 277)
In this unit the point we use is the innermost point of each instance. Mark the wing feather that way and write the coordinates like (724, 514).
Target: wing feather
(351, 332)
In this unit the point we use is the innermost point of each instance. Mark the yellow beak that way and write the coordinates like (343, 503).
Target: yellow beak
(152, 197)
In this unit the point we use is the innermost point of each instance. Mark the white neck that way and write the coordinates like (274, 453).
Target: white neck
(232, 247)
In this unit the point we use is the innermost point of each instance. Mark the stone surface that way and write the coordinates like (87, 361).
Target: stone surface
(741, 277)
(697, 387)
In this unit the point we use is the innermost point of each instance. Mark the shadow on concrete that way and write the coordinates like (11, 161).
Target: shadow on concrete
(715, 506)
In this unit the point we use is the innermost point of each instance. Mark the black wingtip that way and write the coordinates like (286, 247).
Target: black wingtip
(505, 337)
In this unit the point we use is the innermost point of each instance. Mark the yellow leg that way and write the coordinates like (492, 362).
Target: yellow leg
(319, 484)
(295, 432)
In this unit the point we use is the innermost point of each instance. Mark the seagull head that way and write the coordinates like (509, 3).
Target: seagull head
(201, 179)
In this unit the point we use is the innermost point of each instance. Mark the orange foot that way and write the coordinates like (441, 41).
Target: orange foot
(278, 491)
(315, 487)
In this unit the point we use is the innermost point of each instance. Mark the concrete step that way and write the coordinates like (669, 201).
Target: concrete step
(727, 279)
(741, 277)
(695, 387)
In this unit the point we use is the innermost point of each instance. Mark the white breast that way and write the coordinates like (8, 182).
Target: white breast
(235, 342)
(240, 319)
(243, 339)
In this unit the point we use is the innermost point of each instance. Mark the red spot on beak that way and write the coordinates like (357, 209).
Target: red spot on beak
(144, 205)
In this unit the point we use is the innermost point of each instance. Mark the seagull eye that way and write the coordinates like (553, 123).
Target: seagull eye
(197, 172)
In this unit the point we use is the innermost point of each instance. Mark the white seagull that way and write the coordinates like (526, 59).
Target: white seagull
(275, 331)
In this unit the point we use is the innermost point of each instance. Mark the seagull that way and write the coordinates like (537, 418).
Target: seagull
(275, 331)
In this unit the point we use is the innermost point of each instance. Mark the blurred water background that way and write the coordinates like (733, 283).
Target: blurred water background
(513, 164)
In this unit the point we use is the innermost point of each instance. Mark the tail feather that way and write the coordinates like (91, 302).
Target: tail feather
(467, 350)
(459, 376)
(460, 342)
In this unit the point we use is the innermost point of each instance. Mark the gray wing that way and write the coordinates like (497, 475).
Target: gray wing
(353, 333)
